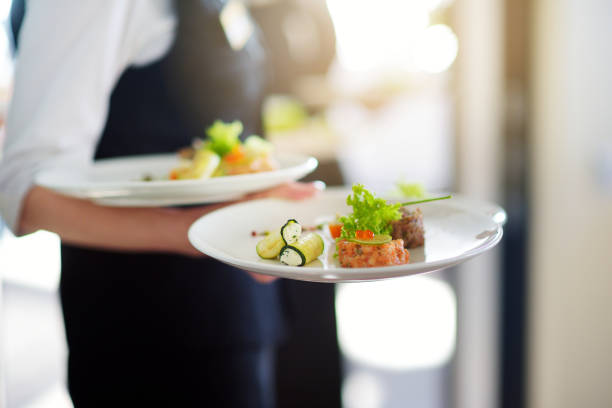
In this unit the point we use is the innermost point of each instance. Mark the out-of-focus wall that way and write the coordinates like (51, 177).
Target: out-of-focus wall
(570, 320)
(479, 112)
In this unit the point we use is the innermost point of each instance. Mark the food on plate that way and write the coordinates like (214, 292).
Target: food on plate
(409, 228)
(290, 246)
(202, 165)
(354, 255)
(223, 154)
(373, 234)
(369, 214)
(270, 247)
(376, 233)
(291, 231)
(335, 229)
(305, 250)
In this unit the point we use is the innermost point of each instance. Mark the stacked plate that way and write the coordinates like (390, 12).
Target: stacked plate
(122, 181)
(455, 230)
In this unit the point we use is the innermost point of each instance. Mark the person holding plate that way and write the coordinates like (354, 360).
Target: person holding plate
(149, 320)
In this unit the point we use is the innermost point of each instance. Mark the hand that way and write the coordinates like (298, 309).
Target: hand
(262, 278)
(293, 191)
(81, 222)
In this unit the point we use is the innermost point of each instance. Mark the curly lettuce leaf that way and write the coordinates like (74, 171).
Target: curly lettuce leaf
(255, 146)
(413, 190)
(369, 213)
(223, 136)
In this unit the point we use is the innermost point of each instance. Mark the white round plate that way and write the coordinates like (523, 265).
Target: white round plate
(455, 231)
(119, 181)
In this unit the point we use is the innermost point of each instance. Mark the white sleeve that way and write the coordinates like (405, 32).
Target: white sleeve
(71, 53)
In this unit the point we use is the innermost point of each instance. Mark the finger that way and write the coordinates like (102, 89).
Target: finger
(291, 191)
(262, 278)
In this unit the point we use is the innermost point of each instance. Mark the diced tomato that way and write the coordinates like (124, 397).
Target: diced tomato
(173, 175)
(364, 235)
(235, 155)
(335, 230)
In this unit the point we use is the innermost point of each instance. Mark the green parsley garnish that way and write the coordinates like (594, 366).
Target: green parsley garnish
(369, 213)
(224, 136)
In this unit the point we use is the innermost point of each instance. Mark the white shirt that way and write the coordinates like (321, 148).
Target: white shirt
(71, 54)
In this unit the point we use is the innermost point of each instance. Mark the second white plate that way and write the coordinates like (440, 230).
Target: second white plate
(119, 181)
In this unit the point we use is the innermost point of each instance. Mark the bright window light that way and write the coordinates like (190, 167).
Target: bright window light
(375, 35)
(437, 4)
(5, 8)
(437, 49)
(362, 390)
(388, 35)
(33, 260)
(397, 324)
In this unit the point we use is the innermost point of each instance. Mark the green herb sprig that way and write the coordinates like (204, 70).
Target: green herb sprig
(371, 213)
(425, 200)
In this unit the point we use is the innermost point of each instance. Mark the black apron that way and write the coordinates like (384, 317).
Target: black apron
(169, 330)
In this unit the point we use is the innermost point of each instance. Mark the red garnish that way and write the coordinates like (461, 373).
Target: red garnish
(235, 155)
(364, 235)
(335, 230)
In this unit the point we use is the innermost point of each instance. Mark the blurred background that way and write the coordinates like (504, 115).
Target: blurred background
(502, 100)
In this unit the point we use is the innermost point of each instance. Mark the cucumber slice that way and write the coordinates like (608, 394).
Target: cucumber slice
(291, 231)
(376, 240)
(305, 250)
(270, 246)
(203, 165)
(205, 162)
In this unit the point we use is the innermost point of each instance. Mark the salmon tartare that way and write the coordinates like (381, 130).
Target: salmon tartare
(354, 255)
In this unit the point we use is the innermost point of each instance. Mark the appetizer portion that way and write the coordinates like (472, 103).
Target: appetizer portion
(223, 154)
(377, 233)
(364, 235)
(290, 246)
(354, 255)
(305, 250)
(270, 247)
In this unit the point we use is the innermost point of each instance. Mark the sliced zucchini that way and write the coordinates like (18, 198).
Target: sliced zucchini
(202, 166)
(271, 245)
(303, 251)
(205, 162)
(291, 231)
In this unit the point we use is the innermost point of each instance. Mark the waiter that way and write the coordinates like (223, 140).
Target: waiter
(149, 321)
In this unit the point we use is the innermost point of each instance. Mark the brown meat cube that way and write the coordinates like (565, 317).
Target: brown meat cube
(409, 228)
